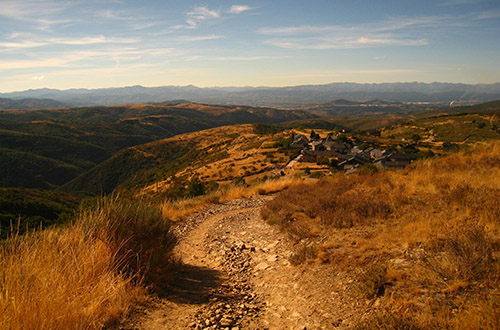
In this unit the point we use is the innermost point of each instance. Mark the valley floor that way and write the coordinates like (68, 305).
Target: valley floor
(235, 274)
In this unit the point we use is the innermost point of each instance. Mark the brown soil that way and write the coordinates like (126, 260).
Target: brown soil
(235, 274)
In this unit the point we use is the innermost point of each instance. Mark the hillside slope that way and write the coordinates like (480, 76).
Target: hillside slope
(81, 138)
(213, 155)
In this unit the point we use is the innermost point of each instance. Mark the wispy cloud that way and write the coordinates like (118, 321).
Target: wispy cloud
(21, 44)
(238, 9)
(396, 31)
(116, 15)
(196, 38)
(490, 14)
(381, 71)
(42, 13)
(202, 13)
(197, 15)
(31, 64)
(92, 40)
(303, 29)
(242, 58)
(458, 2)
(10, 46)
(233, 58)
(343, 42)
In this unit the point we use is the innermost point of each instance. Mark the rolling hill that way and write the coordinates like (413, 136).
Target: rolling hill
(215, 155)
(47, 148)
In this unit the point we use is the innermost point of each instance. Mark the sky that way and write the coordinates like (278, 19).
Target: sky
(67, 44)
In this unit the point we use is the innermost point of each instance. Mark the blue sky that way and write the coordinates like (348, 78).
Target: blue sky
(112, 43)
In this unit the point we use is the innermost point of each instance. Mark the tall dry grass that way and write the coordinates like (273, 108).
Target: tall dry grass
(61, 279)
(84, 276)
(436, 225)
(137, 233)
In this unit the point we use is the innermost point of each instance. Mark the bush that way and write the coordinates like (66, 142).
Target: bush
(195, 188)
(303, 254)
(373, 280)
(368, 169)
(464, 255)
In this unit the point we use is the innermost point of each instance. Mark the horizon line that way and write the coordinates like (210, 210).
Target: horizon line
(248, 86)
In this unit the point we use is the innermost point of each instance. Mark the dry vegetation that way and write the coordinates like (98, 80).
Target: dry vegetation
(87, 275)
(176, 209)
(225, 153)
(423, 243)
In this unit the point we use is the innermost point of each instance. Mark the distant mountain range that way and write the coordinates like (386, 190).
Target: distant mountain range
(458, 94)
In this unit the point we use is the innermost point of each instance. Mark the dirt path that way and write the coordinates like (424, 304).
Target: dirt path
(236, 275)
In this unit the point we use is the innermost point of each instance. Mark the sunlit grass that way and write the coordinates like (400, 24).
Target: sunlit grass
(434, 227)
(86, 275)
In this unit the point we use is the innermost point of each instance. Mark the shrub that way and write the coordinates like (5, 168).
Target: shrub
(195, 188)
(368, 169)
(303, 254)
(464, 255)
(372, 281)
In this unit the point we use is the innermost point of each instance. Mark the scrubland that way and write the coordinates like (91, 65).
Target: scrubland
(422, 244)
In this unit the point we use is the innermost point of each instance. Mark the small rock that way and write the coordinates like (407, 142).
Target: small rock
(273, 258)
(226, 322)
(262, 266)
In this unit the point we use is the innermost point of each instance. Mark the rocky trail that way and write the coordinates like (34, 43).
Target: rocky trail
(236, 274)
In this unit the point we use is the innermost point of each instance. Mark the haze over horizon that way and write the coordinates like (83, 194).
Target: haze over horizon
(115, 43)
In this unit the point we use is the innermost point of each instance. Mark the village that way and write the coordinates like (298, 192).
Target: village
(340, 152)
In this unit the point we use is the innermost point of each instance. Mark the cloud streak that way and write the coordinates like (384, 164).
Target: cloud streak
(41, 13)
(196, 38)
(238, 9)
(396, 31)
(202, 13)
(198, 15)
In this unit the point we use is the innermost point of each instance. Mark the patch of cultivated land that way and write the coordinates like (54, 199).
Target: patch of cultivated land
(236, 274)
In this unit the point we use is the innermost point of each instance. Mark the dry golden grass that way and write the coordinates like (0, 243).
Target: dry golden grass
(177, 209)
(61, 279)
(435, 229)
(87, 275)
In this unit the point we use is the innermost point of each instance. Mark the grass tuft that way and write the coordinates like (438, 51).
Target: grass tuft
(138, 234)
